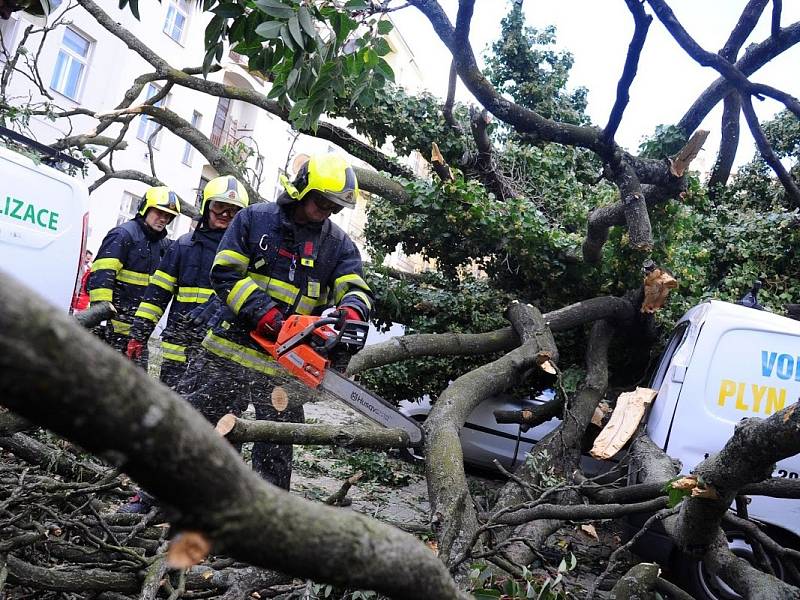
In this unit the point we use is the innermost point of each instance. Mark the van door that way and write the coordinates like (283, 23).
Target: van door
(43, 218)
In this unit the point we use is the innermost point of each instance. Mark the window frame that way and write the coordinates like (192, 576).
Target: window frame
(188, 149)
(176, 7)
(72, 57)
(148, 125)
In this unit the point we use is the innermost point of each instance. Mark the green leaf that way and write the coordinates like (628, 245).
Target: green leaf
(381, 47)
(306, 22)
(207, 4)
(135, 9)
(274, 8)
(294, 30)
(291, 80)
(287, 37)
(356, 4)
(384, 69)
(385, 27)
(228, 11)
(269, 29)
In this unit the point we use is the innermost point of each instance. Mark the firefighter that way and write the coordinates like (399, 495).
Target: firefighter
(182, 276)
(128, 256)
(277, 259)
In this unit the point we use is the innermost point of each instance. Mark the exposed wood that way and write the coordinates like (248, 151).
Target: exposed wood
(628, 413)
(439, 164)
(679, 163)
(657, 285)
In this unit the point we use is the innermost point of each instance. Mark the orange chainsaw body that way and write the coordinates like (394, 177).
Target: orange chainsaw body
(300, 360)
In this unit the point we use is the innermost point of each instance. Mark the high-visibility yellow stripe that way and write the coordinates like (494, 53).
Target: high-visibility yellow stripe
(343, 283)
(148, 311)
(101, 295)
(133, 277)
(361, 295)
(113, 264)
(247, 357)
(120, 327)
(229, 258)
(240, 292)
(277, 289)
(164, 281)
(174, 352)
(307, 305)
(194, 294)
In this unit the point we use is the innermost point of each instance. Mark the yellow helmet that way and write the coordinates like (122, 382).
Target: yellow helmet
(161, 198)
(328, 174)
(226, 189)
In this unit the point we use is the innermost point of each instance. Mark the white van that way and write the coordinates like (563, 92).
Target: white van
(725, 362)
(44, 216)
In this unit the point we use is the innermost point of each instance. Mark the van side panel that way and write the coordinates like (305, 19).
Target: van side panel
(41, 226)
(739, 372)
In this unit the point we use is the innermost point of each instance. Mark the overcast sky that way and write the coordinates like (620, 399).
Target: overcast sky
(598, 32)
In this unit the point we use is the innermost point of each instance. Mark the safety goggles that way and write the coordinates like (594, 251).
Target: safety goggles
(222, 209)
(326, 205)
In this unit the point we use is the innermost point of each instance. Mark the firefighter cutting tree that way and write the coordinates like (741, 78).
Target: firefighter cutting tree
(274, 261)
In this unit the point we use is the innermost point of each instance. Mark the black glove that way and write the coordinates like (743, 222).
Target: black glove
(204, 315)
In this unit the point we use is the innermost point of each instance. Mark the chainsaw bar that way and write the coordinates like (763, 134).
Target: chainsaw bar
(370, 405)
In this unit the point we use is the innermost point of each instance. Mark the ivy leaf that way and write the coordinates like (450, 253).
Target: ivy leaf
(269, 30)
(385, 26)
(381, 47)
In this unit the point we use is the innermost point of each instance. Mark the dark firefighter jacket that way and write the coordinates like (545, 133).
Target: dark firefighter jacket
(265, 260)
(129, 254)
(182, 276)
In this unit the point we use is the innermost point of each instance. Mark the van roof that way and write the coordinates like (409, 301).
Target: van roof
(719, 310)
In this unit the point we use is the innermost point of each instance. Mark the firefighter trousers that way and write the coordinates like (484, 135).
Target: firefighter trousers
(216, 386)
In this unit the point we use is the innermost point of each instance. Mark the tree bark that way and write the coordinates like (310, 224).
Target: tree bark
(62, 377)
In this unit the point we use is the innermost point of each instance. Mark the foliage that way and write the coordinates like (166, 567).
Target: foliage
(666, 141)
(411, 123)
(525, 65)
(484, 584)
(376, 467)
(314, 53)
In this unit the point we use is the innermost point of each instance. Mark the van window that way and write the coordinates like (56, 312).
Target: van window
(675, 341)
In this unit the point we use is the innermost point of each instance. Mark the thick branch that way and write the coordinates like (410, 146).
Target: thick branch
(729, 143)
(242, 430)
(764, 147)
(641, 22)
(470, 344)
(754, 58)
(77, 386)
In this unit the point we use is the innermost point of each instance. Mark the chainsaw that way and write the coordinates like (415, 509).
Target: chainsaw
(309, 348)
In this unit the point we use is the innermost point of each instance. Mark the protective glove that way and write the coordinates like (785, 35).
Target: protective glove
(350, 313)
(270, 324)
(134, 349)
(204, 315)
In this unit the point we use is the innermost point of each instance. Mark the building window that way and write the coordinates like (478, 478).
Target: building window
(198, 203)
(188, 151)
(8, 35)
(128, 207)
(147, 126)
(71, 64)
(175, 21)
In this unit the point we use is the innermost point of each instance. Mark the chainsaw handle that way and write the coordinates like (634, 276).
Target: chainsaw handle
(339, 324)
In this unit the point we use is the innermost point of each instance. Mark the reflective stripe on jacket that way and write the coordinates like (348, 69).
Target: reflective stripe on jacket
(264, 261)
(127, 257)
(183, 277)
